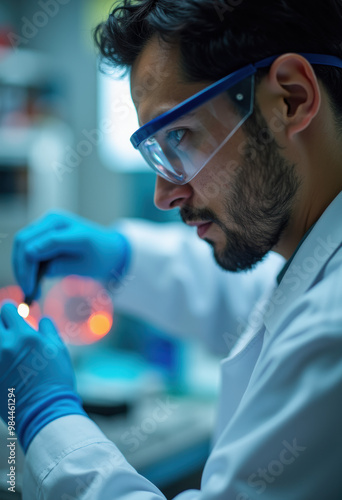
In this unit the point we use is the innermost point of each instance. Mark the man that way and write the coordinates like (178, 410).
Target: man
(244, 129)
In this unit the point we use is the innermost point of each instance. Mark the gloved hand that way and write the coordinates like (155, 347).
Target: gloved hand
(37, 365)
(73, 245)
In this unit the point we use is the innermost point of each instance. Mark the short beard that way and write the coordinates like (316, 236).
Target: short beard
(260, 200)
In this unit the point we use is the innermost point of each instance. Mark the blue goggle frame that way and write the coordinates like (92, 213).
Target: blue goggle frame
(215, 89)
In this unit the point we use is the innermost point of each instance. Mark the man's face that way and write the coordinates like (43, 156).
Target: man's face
(241, 200)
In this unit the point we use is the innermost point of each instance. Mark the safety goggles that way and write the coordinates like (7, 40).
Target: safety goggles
(180, 142)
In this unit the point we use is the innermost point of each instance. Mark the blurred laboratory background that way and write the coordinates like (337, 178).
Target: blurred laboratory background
(153, 395)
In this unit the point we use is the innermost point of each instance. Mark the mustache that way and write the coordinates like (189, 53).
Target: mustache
(190, 214)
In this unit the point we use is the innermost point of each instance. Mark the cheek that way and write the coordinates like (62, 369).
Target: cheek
(214, 182)
(211, 185)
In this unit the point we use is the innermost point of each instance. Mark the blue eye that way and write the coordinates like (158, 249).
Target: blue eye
(174, 137)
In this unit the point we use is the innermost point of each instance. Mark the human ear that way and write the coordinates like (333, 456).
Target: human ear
(294, 81)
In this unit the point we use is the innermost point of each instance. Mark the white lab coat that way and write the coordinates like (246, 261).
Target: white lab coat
(279, 426)
(175, 284)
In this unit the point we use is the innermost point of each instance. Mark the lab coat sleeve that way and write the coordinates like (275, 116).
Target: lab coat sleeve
(174, 283)
(283, 442)
(71, 459)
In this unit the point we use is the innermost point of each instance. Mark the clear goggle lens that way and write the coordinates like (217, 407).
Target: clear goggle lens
(181, 149)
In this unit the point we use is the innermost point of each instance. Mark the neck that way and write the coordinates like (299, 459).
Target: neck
(321, 183)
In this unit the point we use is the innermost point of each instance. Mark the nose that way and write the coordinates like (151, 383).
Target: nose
(168, 195)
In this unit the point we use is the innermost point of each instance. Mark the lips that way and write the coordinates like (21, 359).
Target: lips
(201, 230)
(202, 227)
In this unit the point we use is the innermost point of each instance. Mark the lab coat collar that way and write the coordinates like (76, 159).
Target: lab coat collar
(311, 258)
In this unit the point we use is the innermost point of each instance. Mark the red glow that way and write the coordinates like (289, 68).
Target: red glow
(100, 323)
(15, 294)
(81, 309)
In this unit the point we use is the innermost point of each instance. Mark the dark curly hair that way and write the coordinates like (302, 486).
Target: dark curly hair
(219, 36)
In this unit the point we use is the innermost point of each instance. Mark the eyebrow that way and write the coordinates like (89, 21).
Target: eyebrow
(163, 110)
(157, 113)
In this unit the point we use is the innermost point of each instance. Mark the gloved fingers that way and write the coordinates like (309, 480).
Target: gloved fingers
(11, 319)
(52, 245)
(24, 271)
(48, 329)
(51, 221)
(3, 327)
(63, 266)
(20, 259)
(45, 247)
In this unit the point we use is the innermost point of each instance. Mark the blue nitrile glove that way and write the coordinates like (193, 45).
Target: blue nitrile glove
(38, 367)
(74, 245)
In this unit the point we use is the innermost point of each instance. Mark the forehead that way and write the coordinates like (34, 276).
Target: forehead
(157, 83)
